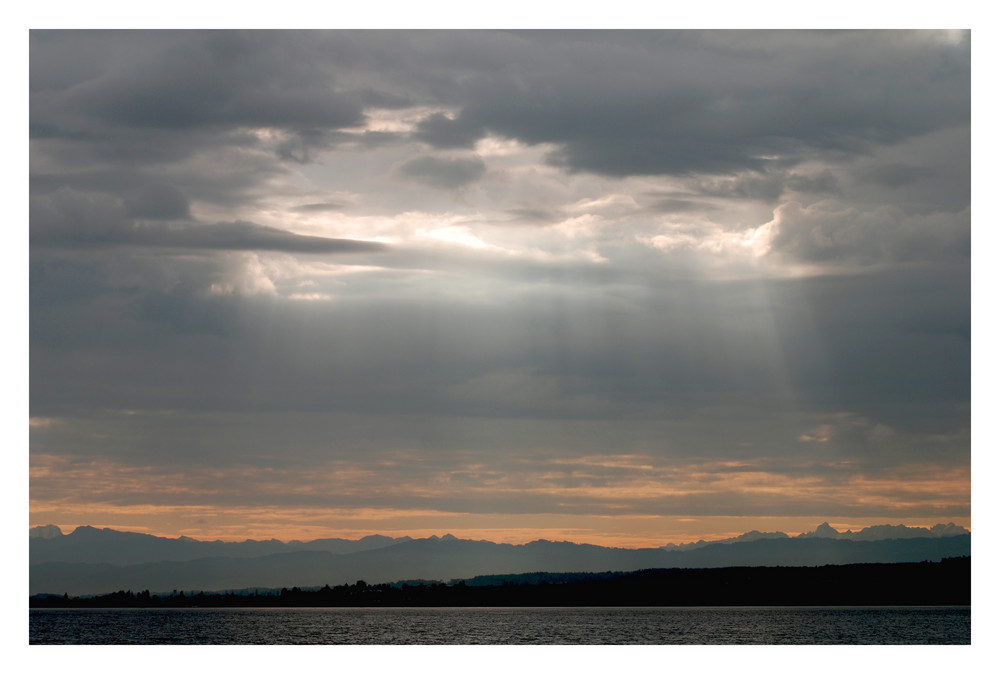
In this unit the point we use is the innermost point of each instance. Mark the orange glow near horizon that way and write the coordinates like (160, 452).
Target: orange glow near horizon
(514, 536)
(205, 523)
(640, 502)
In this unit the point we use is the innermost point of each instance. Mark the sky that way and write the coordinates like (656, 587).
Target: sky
(625, 288)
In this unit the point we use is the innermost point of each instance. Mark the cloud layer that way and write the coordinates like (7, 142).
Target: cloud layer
(531, 277)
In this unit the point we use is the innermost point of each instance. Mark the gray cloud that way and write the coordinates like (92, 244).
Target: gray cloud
(71, 218)
(535, 215)
(441, 131)
(444, 173)
(320, 207)
(678, 206)
(717, 107)
(761, 186)
(158, 202)
(721, 105)
(823, 182)
(73, 215)
(894, 175)
(833, 231)
(248, 236)
(190, 79)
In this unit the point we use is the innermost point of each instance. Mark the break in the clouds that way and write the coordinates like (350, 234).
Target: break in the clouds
(601, 285)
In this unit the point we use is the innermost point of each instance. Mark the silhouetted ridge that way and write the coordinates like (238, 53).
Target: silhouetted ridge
(91, 560)
(947, 582)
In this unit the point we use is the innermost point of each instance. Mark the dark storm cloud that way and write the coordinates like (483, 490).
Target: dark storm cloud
(834, 231)
(894, 175)
(675, 103)
(72, 215)
(193, 79)
(536, 215)
(224, 174)
(57, 280)
(158, 202)
(617, 104)
(677, 206)
(823, 182)
(442, 172)
(67, 218)
(120, 114)
(232, 236)
(927, 174)
(247, 236)
(441, 131)
(321, 207)
(761, 186)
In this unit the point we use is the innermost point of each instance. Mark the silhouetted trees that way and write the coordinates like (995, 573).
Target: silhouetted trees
(947, 582)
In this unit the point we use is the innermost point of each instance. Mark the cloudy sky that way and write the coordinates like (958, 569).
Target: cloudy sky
(627, 288)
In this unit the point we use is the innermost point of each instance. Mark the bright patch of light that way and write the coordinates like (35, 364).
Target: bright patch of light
(330, 269)
(221, 289)
(612, 203)
(494, 146)
(951, 37)
(820, 434)
(668, 242)
(581, 226)
(384, 120)
(267, 134)
(247, 275)
(456, 234)
(754, 242)
(310, 297)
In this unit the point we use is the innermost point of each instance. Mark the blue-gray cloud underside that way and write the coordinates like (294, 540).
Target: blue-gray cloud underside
(219, 236)
(722, 103)
(67, 218)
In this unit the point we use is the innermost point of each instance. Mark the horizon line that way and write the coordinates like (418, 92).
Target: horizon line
(449, 535)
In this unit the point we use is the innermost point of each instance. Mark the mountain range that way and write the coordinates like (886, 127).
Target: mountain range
(94, 561)
(879, 532)
(108, 546)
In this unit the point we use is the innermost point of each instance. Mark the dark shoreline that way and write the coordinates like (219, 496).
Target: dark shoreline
(944, 583)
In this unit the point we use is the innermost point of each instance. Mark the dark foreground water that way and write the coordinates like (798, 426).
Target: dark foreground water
(505, 626)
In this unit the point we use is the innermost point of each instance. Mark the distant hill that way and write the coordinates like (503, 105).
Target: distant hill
(47, 531)
(108, 546)
(947, 582)
(881, 532)
(878, 532)
(447, 558)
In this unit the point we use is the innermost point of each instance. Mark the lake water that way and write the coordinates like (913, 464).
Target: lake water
(504, 626)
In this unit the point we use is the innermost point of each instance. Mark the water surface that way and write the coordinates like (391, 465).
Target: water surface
(597, 625)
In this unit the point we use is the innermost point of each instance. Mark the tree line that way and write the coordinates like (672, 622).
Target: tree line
(947, 582)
